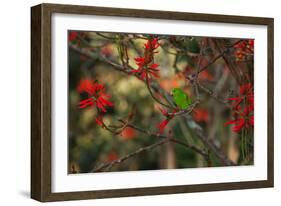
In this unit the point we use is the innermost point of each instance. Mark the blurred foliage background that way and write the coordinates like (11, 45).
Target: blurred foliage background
(91, 145)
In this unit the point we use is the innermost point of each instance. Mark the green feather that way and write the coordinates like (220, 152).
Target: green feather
(181, 98)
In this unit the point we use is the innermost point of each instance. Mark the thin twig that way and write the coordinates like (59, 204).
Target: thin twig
(167, 51)
(212, 94)
(106, 37)
(217, 151)
(185, 111)
(205, 155)
(236, 72)
(152, 95)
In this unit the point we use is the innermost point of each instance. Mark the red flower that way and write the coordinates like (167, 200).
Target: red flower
(239, 124)
(140, 61)
(149, 71)
(146, 67)
(246, 89)
(86, 102)
(162, 125)
(251, 120)
(72, 36)
(163, 111)
(102, 102)
(243, 49)
(87, 85)
(243, 108)
(244, 121)
(96, 95)
(152, 44)
(245, 92)
(99, 121)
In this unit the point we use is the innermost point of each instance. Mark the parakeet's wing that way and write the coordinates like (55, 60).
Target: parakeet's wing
(189, 101)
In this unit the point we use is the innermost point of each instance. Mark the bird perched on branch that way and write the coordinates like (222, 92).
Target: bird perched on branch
(181, 99)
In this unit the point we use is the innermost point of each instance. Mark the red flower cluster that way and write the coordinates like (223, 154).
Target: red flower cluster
(146, 67)
(243, 49)
(165, 122)
(75, 37)
(243, 108)
(72, 36)
(152, 44)
(96, 97)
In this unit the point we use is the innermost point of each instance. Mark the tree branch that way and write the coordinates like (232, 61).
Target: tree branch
(217, 151)
(152, 95)
(221, 54)
(173, 139)
(109, 165)
(236, 72)
(213, 95)
(185, 111)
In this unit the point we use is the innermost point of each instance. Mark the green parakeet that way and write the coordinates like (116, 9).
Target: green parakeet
(181, 98)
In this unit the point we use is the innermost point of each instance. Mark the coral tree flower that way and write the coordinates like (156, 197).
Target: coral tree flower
(243, 49)
(72, 36)
(152, 44)
(96, 97)
(243, 109)
(99, 120)
(162, 125)
(146, 66)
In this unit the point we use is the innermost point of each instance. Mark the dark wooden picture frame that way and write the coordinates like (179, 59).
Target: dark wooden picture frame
(41, 117)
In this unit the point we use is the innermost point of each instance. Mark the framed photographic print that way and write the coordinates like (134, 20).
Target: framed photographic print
(132, 102)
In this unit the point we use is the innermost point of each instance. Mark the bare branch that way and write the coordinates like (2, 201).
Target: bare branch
(106, 37)
(221, 54)
(236, 72)
(217, 151)
(173, 139)
(213, 95)
(152, 95)
(185, 111)
(109, 165)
